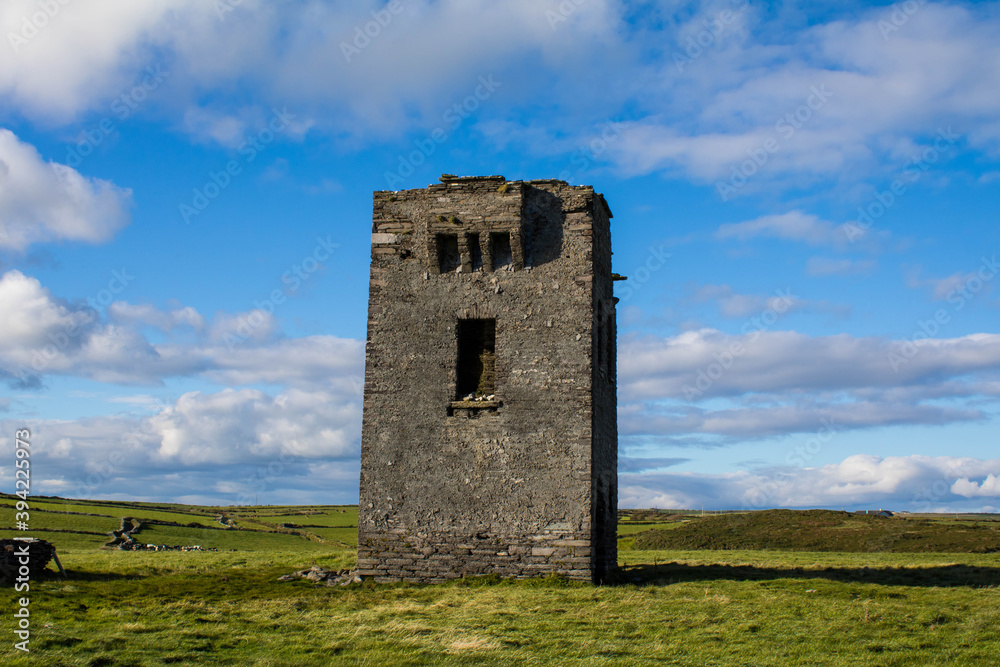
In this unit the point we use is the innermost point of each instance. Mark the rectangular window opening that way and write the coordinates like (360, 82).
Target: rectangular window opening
(609, 329)
(502, 255)
(475, 252)
(476, 374)
(447, 252)
(599, 339)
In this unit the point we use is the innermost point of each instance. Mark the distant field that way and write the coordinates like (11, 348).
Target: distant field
(259, 527)
(825, 530)
(679, 606)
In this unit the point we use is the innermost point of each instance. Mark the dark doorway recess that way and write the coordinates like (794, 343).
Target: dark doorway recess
(476, 358)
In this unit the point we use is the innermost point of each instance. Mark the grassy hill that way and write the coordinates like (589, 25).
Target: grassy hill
(684, 607)
(825, 530)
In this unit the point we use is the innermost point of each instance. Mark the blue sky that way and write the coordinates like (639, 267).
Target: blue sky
(805, 203)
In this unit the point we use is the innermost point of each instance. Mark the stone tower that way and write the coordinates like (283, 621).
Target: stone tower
(489, 441)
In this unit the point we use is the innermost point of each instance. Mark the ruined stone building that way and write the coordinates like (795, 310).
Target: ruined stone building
(489, 442)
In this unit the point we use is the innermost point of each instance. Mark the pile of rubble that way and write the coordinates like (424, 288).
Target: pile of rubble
(139, 546)
(40, 552)
(123, 540)
(321, 575)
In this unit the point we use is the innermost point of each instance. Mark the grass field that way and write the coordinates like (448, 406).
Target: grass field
(825, 530)
(685, 607)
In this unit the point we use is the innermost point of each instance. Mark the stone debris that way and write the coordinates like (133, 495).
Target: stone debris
(473, 397)
(40, 552)
(122, 539)
(321, 575)
(139, 546)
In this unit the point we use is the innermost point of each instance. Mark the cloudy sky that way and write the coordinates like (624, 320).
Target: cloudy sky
(805, 203)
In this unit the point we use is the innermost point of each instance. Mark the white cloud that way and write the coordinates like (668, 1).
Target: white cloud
(311, 361)
(31, 313)
(85, 54)
(825, 266)
(247, 424)
(798, 226)
(881, 100)
(781, 415)
(989, 487)
(122, 312)
(960, 286)
(734, 305)
(46, 201)
(253, 326)
(774, 361)
(138, 400)
(941, 288)
(784, 105)
(708, 388)
(304, 55)
(791, 226)
(48, 335)
(884, 93)
(228, 445)
(909, 483)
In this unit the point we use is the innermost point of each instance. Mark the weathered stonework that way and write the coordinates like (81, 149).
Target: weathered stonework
(489, 440)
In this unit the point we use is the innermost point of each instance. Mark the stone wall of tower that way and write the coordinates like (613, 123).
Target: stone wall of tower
(521, 481)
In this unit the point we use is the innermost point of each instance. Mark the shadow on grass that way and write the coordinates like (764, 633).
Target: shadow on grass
(83, 575)
(941, 576)
(51, 576)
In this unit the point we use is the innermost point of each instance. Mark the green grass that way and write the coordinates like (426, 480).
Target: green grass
(825, 530)
(765, 609)
(682, 607)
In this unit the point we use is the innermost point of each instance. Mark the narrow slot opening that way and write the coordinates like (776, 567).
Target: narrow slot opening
(502, 255)
(475, 252)
(609, 329)
(449, 258)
